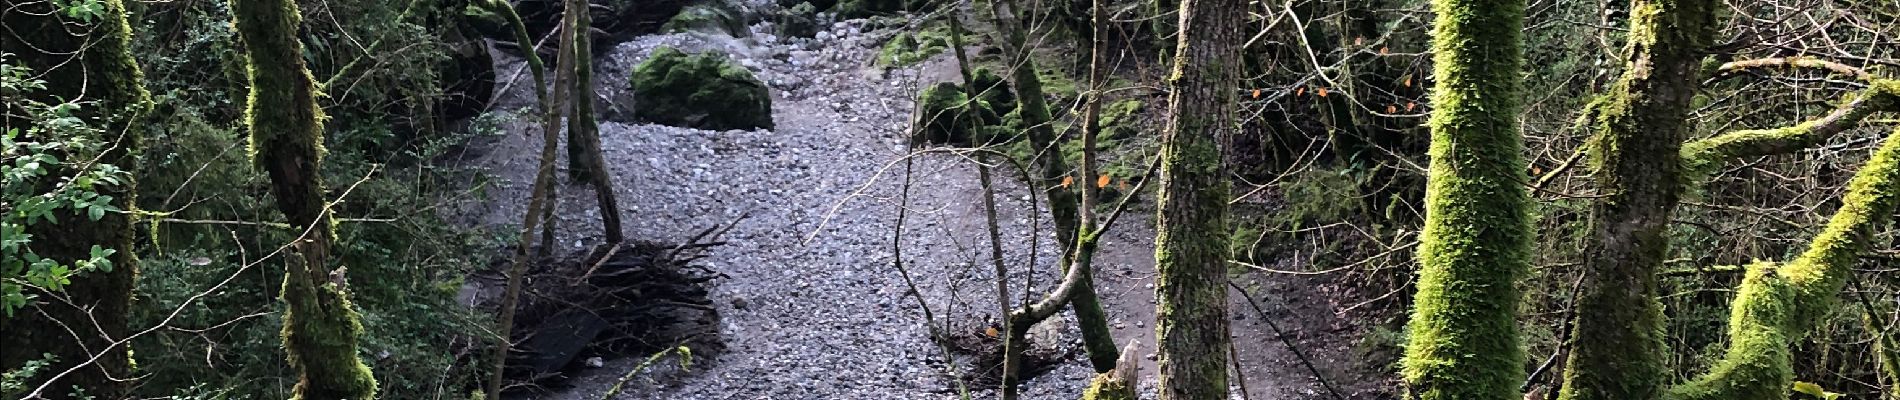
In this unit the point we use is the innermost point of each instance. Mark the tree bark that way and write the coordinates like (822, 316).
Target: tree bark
(1033, 107)
(585, 145)
(320, 325)
(104, 72)
(537, 199)
(1476, 243)
(1191, 250)
(1640, 126)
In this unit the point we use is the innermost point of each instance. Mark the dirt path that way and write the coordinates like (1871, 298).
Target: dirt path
(813, 308)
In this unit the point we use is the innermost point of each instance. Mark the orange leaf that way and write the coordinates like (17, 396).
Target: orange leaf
(990, 331)
(1359, 41)
(1102, 181)
(1410, 105)
(1256, 93)
(1299, 92)
(1068, 180)
(1408, 81)
(1322, 92)
(1384, 50)
(1123, 185)
(1391, 109)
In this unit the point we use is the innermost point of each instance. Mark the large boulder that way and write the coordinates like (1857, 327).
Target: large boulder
(947, 115)
(705, 91)
(798, 21)
(854, 9)
(711, 17)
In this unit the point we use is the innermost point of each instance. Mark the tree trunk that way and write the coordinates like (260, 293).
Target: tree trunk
(320, 325)
(585, 145)
(1033, 107)
(1640, 126)
(1476, 243)
(1191, 249)
(104, 72)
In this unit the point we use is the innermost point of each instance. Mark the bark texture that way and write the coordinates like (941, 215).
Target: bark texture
(1464, 343)
(1191, 249)
(1640, 125)
(320, 325)
(87, 61)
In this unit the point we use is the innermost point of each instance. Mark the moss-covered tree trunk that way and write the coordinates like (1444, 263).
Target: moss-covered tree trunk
(584, 132)
(1640, 125)
(91, 61)
(1778, 304)
(1033, 108)
(537, 198)
(1464, 342)
(1191, 248)
(580, 164)
(320, 325)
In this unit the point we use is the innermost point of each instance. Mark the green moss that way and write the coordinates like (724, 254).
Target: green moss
(1778, 305)
(855, 9)
(1464, 342)
(1106, 387)
(708, 17)
(320, 325)
(798, 21)
(910, 48)
(947, 116)
(993, 89)
(706, 91)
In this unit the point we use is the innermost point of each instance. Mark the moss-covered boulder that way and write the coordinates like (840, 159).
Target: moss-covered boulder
(712, 17)
(817, 5)
(798, 21)
(993, 89)
(909, 48)
(705, 91)
(854, 9)
(947, 115)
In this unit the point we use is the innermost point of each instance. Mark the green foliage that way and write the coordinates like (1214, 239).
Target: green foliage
(706, 91)
(14, 383)
(46, 170)
(407, 264)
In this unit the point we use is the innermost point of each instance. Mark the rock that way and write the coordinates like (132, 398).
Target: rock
(993, 89)
(705, 91)
(798, 21)
(947, 116)
(714, 17)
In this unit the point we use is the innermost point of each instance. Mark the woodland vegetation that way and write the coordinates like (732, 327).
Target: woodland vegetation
(1446, 199)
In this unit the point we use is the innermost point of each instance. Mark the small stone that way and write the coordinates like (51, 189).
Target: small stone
(739, 304)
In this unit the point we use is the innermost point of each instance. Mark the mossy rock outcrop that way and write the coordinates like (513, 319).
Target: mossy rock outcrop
(993, 89)
(712, 17)
(854, 9)
(947, 115)
(705, 91)
(912, 47)
(798, 21)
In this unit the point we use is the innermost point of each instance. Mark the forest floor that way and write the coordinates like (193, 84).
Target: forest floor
(812, 307)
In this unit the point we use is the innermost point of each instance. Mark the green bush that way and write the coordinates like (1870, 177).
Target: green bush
(706, 91)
